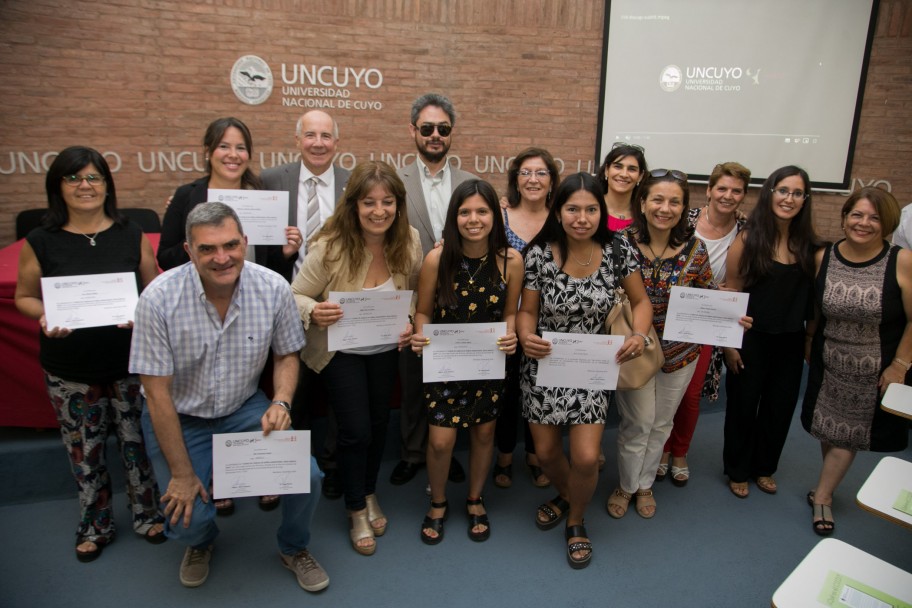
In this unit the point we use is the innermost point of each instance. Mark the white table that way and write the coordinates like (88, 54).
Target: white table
(805, 584)
(882, 488)
(898, 400)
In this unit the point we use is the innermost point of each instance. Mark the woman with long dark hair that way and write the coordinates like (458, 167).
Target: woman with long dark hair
(620, 176)
(772, 259)
(86, 369)
(475, 277)
(570, 286)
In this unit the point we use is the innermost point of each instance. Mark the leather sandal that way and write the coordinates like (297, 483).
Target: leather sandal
(360, 530)
(618, 503)
(539, 480)
(662, 471)
(435, 524)
(739, 488)
(578, 531)
(554, 510)
(90, 556)
(224, 507)
(269, 502)
(478, 520)
(374, 513)
(822, 522)
(680, 476)
(503, 475)
(767, 484)
(645, 500)
(155, 534)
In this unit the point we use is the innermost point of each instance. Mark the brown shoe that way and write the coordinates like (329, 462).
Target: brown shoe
(311, 575)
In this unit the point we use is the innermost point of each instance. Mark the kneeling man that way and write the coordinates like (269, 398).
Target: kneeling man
(202, 335)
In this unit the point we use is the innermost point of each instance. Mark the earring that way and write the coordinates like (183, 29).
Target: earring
(398, 214)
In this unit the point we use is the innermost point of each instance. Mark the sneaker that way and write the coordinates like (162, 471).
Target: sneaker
(195, 566)
(311, 575)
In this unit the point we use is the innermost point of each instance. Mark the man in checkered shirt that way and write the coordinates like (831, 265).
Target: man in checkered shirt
(202, 335)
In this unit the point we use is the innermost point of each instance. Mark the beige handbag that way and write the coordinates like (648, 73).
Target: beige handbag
(637, 372)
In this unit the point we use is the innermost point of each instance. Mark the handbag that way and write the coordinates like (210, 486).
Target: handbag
(637, 372)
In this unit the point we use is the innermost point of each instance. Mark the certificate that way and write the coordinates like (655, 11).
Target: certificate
(705, 316)
(89, 300)
(369, 318)
(264, 213)
(584, 361)
(253, 464)
(464, 351)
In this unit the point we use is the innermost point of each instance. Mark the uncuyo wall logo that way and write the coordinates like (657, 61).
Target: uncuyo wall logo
(251, 80)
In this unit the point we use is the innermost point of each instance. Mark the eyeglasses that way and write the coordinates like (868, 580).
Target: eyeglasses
(624, 144)
(798, 195)
(674, 173)
(75, 180)
(540, 173)
(427, 129)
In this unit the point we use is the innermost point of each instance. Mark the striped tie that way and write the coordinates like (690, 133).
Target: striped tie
(312, 225)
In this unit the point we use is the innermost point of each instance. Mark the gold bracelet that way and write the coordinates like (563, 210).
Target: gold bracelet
(903, 363)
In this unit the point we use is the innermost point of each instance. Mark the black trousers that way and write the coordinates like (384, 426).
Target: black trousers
(761, 401)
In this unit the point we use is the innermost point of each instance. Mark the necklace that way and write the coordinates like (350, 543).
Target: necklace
(718, 230)
(465, 268)
(587, 262)
(91, 238)
(656, 258)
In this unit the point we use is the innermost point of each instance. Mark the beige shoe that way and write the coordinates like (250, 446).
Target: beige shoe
(311, 575)
(361, 530)
(374, 513)
(194, 568)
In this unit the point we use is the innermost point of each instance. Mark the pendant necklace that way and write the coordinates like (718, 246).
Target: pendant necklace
(465, 267)
(587, 262)
(91, 238)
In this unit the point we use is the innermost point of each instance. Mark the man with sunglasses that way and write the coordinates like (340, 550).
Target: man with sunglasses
(429, 183)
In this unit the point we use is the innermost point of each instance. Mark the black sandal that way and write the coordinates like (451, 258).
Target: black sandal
(555, 509)
(435, 524)
(90, 556)
(825, 525)
(506, 471)
(478, 520)
(578, 531)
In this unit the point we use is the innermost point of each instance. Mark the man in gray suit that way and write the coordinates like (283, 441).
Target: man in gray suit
(313, 185)
(429, 183)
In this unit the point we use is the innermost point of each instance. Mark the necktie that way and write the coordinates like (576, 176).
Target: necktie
(313, 209)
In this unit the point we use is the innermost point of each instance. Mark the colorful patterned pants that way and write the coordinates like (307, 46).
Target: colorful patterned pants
(86, 412)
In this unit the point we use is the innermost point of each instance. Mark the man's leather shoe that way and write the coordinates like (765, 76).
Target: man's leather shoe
(332, 484)
(404, 472)
(457, 474)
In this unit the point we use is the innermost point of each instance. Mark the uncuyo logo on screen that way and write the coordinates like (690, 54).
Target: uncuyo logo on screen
(670, 79)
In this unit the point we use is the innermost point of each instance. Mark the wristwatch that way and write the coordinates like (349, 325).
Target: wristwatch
(284, 404)
(647, 341)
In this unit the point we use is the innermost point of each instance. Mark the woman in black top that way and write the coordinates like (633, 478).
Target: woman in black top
(85, 369)
(772, 259)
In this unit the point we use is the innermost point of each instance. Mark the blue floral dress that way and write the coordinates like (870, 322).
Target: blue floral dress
(480, 294)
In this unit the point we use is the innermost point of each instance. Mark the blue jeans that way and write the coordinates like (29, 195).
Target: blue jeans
(297, 509)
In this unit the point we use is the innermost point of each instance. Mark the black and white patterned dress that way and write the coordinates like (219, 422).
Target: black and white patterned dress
(569, 305)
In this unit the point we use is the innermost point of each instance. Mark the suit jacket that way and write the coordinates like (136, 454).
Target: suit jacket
(171, 251)
(288, 177)
(417, 206)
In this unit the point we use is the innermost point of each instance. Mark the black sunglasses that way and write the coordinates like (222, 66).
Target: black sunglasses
(427, 129)
(678, 175)
(624, 144)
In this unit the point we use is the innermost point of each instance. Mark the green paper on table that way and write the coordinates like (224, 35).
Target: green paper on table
(840, 591)
(904, 502)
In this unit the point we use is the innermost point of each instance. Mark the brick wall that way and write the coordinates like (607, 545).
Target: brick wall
(143, 79)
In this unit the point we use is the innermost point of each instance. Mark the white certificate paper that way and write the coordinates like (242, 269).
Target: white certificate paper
(705, 316)
(264, 213)
(251, 464)
(89, 300)
(369, 318)
(464, 351)
(585, 361)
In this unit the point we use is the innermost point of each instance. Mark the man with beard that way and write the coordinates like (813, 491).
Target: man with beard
(429, 183)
